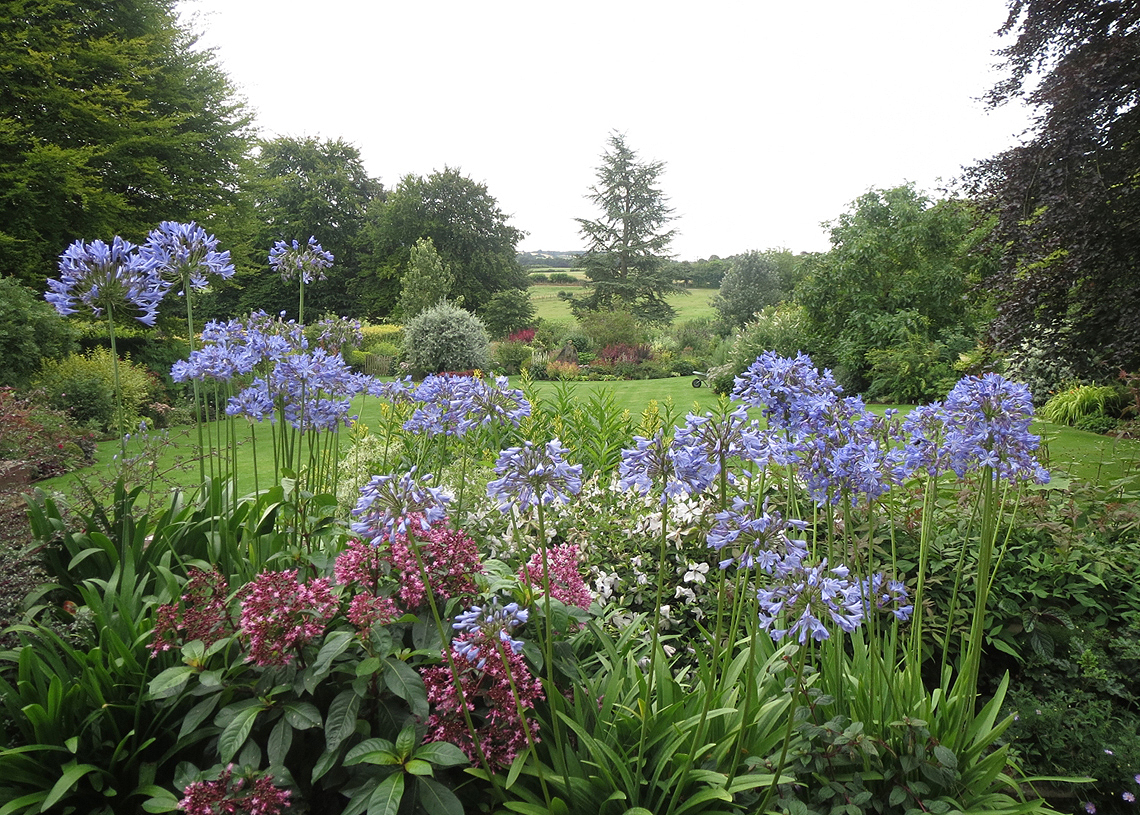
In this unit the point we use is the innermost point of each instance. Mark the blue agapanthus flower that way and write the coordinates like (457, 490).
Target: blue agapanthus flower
(807, 599)
(532, 475)
(185, 251)
(390, 504)
(294, 260)
(480, 624)
(107, 277)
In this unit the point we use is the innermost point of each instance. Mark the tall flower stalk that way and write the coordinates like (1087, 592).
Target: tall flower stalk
(306, 263)
(109, 279)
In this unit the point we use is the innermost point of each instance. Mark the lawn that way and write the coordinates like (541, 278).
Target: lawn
(1101, 461)
(692, 304)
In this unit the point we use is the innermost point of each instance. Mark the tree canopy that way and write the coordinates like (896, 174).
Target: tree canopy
(900, 268)
(753, 281)
(297, 188)
(1067, 199)
(464, 222)
(110, 122)
(627, 245)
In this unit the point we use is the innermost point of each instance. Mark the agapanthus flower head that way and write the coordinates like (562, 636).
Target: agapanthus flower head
(759, 540)
(480, 627)
(391, 504)
(333, 333)
(440, 405)
(987, 420)
(229, 795)
(294, 260)
(486, 403)
(531, 475)
(184, 252)
(650, 464)
(280, 614)
(490, 686)
(706, 444)
(450, 557)
(562, 575)
(107, 277)
(846, 450)
(806, 599)
(886, 595)
(788, 391)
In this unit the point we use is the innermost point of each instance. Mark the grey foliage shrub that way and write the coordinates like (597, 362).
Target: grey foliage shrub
(446, 338)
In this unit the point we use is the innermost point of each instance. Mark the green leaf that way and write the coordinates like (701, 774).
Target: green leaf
(402, 680)
(373, 751)
(236, 732)
(341, 721)
(898, 795)
(280, 740)
(406, 742)
(386, 799)
(71, 776)
(302, 715)
(170, 682)
(438, 799)
(442, 754)
(417, 766)
(946, 756)
(198, 714)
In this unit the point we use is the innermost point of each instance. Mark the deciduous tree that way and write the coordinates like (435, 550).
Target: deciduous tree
(110, 122)
(301, 188)
(1068, 199)
(900, 264)
(469, 230)
(627, 245)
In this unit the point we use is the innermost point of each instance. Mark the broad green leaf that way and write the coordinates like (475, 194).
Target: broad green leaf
(438, 799)
(386, 799)
(280, 740)
(236, 732)
(341, 720)
(442, 754)
(303, 715)
(170, 682)
(402, 680)
(417, 766)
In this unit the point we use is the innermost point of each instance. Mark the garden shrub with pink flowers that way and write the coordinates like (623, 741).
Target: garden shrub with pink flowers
(530, 608)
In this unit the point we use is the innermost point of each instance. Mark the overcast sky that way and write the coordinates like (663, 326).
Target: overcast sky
(771, 117)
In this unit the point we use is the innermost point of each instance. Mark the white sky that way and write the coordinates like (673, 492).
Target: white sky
(771, 116)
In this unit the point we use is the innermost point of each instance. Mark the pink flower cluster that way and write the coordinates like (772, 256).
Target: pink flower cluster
(449, 556)
(566, 583)
(226, 797)
(279, 615)
(487, 692)
(201, 614)
(361, 567)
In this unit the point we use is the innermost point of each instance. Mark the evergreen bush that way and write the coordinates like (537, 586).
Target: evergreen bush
(446, 338)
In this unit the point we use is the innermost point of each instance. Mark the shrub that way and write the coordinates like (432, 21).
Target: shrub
(913, 372)
(46, 439)
(30, 330)
(446, 338)
(538, 277)
(782, 329)
(509, 357)
(563, 279)
(562, 370)
(525, 335)
(508, 311)
(611, 328)
(84, 386)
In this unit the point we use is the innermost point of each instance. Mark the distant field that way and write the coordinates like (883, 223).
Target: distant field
(693, 305)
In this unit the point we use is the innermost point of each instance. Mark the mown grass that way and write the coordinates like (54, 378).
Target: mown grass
(1112, 465)
(692, 304)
